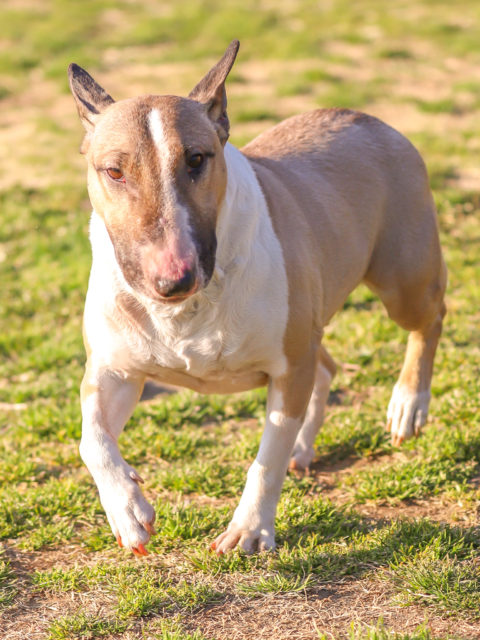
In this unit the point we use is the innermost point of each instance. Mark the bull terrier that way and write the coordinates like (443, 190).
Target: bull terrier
(217, 269)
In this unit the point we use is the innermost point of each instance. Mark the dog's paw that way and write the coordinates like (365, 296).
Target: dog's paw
(249, 541)
(407, 413)
(301, 458)
(130, 516)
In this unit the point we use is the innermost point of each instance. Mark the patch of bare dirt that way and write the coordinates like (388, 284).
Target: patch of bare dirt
(436, 509)
(328, 610)
(33, 615)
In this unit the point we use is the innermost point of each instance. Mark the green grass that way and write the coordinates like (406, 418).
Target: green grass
(367, 513)
(7, 583)
(446, 585)
(87, 627)
(275, 584)
(82, 625)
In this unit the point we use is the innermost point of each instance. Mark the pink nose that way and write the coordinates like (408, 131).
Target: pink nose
(170, 270)
(170, 288)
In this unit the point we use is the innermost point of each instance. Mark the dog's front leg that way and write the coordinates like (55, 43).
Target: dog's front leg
(253, 524)
(108, 399)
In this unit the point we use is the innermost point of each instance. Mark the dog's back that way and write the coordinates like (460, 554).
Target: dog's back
(361, 189)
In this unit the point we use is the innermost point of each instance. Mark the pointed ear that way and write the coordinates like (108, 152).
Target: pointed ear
(89, 96)
(210, 91)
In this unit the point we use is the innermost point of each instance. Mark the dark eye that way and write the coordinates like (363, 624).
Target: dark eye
(116, 174)
(195, 161)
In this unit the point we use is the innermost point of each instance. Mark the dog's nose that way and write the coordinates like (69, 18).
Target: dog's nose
(171, 288)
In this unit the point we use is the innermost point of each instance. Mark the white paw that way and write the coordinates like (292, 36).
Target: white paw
(301, 457)
(130, 516)
(249, 540)
(407, 413)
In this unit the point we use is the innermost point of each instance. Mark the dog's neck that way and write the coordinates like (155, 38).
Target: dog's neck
(239, 219)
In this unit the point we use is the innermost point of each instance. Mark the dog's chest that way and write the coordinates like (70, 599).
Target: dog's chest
(223, 339)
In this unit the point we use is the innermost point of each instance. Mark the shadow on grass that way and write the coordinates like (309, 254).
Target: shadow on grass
(350, 444)
(354, 546)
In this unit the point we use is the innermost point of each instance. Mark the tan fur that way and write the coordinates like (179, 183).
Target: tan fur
(335, 181)
(346, 180)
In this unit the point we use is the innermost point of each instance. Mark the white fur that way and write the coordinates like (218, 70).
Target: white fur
(253, 523)
(108, 347)
(407, 412)
(104, 414)
(180, 233)
(165, 156)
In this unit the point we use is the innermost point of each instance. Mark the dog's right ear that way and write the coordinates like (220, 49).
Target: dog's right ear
(210, 91)
(89, 96)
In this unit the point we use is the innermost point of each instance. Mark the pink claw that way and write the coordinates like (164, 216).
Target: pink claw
(140, 550)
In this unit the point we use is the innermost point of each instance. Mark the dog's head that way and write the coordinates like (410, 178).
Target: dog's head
(157, 177)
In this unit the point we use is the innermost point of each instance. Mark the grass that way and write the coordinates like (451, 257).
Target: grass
(7, 583)
(81, 625)
(379, 632)
(445, 585)
(372, 531)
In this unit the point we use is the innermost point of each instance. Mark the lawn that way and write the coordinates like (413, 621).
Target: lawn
(374, 542)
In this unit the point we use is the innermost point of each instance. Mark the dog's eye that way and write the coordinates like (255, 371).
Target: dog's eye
(116, 174)
(195, 161)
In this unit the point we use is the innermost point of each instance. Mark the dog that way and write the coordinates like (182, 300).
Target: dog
(217, 269)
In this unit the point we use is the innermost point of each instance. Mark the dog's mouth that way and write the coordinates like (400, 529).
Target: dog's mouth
(187, 284)
(178, 298)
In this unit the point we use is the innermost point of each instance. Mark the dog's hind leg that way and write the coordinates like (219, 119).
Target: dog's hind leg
(303, 450)
(408, 407)
(418, 306)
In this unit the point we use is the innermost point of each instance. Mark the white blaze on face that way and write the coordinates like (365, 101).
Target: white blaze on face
(179, 252)
(160, 138)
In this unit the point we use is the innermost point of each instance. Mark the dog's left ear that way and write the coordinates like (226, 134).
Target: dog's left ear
(210, 91)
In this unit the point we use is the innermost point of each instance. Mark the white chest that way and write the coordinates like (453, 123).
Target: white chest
(235, 334)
